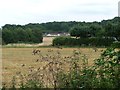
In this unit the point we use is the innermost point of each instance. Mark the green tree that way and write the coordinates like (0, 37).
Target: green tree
(95, 30)
(113, 30)
(80, 31)
(37, 36)
(8, 36)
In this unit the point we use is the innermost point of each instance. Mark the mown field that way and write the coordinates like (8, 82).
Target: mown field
(21, 59)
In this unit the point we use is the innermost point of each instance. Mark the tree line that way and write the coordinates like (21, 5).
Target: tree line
(33, 32)
(20, 35)
(103, 29)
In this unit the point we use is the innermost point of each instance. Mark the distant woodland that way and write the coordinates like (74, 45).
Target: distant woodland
(33, 32)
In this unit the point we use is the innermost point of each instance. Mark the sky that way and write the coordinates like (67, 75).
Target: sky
(40, 11)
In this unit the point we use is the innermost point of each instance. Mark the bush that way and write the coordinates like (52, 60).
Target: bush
(64, 41)
(100, 41)
(67, 41)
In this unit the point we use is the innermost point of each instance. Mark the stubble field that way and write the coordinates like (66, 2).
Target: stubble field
(21, 59)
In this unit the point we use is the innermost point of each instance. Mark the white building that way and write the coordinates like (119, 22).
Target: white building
(56, 34)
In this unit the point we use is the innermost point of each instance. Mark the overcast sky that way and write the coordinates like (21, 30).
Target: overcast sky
(39, 11)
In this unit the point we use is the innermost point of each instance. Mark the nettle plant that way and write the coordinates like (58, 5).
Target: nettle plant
(108, 69)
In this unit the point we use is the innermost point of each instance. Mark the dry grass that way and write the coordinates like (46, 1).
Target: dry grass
(47, 40)
(21, 59)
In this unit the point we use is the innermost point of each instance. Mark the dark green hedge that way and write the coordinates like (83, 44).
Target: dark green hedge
(68, 41)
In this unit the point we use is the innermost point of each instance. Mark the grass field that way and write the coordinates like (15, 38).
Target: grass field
(14, 58)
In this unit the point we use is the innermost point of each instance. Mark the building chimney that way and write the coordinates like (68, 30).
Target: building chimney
(119, 9)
